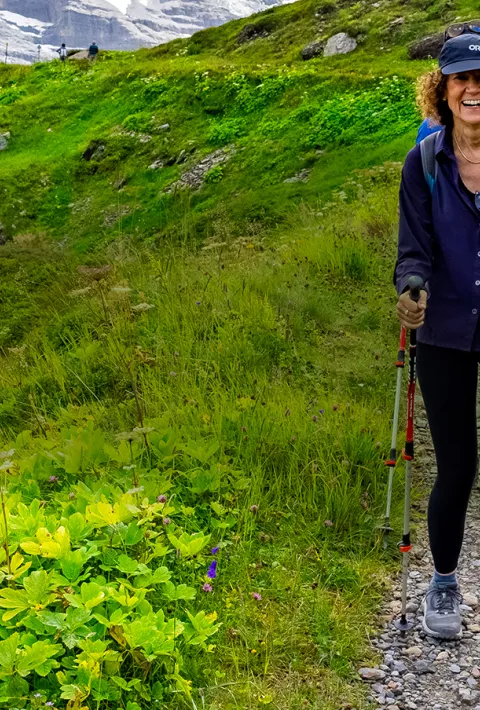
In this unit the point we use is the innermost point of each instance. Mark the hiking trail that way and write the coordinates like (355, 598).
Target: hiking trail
(418, 672)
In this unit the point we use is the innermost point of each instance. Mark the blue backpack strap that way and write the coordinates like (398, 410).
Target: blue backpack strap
(430, 166)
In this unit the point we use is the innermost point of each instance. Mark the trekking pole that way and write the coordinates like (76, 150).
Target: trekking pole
(392, 461)
(415, 283)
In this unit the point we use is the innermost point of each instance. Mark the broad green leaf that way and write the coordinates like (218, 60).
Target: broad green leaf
(37, 586)
(72, 563)
(173, 593)
(50, 618)
(38, 657)
(218, 508)
(161, 575)
(77, 526)
(189, 545)
(15, 689)
(8, 652)
(92, 594)
(126, 565)
(14, 599)
(134, 534)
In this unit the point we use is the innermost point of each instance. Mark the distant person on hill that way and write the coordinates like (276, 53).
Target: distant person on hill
(62, 52)
(439, 242)
(92, 52)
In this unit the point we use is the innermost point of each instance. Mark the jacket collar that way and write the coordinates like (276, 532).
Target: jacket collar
(445, 144)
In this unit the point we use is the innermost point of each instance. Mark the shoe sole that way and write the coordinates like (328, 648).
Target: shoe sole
(436, 634)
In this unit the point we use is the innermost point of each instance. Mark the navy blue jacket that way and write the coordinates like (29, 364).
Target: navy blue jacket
(439, 240)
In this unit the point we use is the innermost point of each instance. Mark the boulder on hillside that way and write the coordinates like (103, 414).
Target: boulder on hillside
(427, 48)
(340, 43)
(314, 49)
(253, 31)
(4, 138)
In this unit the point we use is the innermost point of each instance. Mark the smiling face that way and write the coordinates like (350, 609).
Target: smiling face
(463, 96)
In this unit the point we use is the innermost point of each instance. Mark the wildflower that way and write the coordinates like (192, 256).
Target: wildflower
(207, 587)
(253, 508)
(80, 292)
(314, 418)
(328, 523)
(49, 704)
(162, 498)
(94, 273)
(244, 428)
(256, 596)
(172, 374)
(53, 479)
(142, 307)
(126, 436)
(335, 407)
(71, 495)
(321, 411)
(37, 695)
(212, 570)
(166, 521)
(215, 550)
(197, 303)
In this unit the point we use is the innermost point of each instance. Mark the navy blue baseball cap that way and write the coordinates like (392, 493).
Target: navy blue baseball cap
(459, 54)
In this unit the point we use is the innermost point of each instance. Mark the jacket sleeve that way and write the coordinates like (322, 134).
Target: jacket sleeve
(415, 234)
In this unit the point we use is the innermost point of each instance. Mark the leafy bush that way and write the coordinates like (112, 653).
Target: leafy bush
(214, 175)
(93, 599)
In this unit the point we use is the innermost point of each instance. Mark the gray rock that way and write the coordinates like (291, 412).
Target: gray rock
(340, 43)
(371, 674)
(422, 667)
(454, 668)
(4, 138)
(312, 50)
(427, 48)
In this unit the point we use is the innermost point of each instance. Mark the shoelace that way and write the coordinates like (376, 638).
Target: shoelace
(444, 599)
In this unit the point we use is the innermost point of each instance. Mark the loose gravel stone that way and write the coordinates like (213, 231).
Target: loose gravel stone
(417, 672)
(371, 674)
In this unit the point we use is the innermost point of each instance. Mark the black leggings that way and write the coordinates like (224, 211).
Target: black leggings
(448, 381)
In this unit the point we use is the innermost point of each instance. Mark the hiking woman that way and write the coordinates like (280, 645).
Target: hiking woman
(439, 240)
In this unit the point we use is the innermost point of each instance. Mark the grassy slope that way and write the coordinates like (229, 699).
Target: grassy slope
(269, 303)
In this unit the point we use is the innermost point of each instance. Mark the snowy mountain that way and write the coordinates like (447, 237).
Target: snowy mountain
(118, 24)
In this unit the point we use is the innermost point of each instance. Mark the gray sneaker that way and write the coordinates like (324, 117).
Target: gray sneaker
(441, 612)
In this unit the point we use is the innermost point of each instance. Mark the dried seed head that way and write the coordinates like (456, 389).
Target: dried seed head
(95, 273)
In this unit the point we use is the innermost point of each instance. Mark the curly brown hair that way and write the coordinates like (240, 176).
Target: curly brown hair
(431, 89)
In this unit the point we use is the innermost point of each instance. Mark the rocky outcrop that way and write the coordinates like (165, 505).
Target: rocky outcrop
(312, 50)
(340, 43)
(427, 48)
(194, 178)
(4, 138)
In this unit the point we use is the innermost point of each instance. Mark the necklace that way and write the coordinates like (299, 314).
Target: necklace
(474, 162)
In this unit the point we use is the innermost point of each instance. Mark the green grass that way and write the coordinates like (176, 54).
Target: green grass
(249, 322)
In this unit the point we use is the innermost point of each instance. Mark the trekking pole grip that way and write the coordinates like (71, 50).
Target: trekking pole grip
(415, 283)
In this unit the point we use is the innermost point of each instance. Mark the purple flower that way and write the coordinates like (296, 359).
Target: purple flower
(256, 596)
(207, 587)
(215, 550)
(197, 303)
(321, 411)
(166, 521)
(212, 570)
(162, 499)
(53, 479)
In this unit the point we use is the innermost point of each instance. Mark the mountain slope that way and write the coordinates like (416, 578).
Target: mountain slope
(120, 24)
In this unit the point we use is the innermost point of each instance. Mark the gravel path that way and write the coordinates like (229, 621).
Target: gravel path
(419, 672)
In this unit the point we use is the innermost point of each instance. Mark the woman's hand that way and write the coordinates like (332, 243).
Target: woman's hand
(409, 313)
